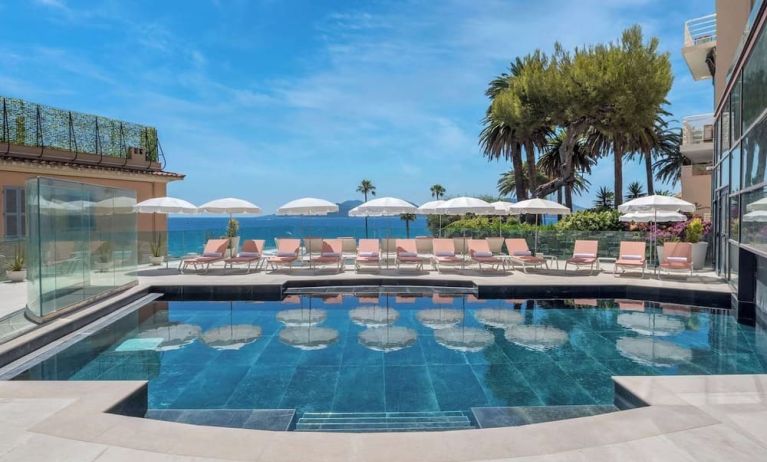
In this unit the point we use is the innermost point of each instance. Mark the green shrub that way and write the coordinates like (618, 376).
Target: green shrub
(588, 220)
(693, 232)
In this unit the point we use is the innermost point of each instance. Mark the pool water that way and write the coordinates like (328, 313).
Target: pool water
(402, 353)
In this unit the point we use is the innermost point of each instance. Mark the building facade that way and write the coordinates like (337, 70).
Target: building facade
(739, 162)
(41, 141)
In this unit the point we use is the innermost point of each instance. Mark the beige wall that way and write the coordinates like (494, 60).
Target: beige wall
(696, 187)
(146, 186)
(731, 18)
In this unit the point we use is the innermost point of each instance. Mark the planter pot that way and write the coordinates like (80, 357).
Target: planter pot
(699, 255)
(233, 247)
(16, 276)
(659, 255)
(156, 261)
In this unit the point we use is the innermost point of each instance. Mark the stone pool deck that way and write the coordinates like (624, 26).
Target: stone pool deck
(688, 418)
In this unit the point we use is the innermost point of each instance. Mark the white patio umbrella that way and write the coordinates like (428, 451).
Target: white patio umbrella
(502, 208)
(307, 206)
(761, 205)
(655, 204)
(230, 206)
(646, 217)
(165, 205)
(383, 207)
(538, 206)
(117, 204)
(430, 208)
(463, 205)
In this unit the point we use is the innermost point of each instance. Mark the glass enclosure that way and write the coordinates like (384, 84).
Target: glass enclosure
(81, 243)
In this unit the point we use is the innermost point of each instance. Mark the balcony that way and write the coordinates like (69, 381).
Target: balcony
(35, 131)
(700, 46)
(698, 138)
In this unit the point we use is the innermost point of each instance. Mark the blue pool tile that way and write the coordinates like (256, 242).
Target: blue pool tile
(279, 354)
(311, 389)
(452, 396)
(409, 389)
(355, 354)
(211, 388)
(434, 353)
(261, 387)
(409, 356)
(553, 385)
(360, 389)
(504, 385)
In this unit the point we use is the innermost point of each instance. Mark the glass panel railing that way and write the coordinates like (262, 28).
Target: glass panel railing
(81, 243)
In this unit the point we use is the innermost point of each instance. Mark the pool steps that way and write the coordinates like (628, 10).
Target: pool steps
(384, 421)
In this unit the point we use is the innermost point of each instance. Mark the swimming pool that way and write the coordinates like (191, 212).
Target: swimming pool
(385, 355)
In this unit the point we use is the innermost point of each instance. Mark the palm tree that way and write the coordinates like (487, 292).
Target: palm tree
(507, 182)
(437, 191)
(635, 190)
(550, 163)
(366, 187)
(407, 218)
(668, 158)
(664, 192)
(605, 199)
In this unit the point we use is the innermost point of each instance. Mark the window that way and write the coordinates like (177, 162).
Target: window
(753, 225)
(13, 212)
(724, 171)
(735, 109)
(754, 147)
(735, 169)
(755, 82)
(725, 142)
(734, 231)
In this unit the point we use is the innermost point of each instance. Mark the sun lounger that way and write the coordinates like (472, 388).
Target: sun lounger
(213, 252)
(496, 245)
(368, 254)
(407, 254)
(479, 252)
(631, 255)
(584, 254)
(252, 252)
(331, 255)
(287, 253)
(519, 254)
(677, 257)
(444, 254)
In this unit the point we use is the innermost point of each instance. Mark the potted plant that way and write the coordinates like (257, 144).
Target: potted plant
(157, 256)
(16, 271)
(661, 237)
(232, 228)
(693, 233)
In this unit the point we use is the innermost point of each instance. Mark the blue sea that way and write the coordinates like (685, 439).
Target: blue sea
(188, 234)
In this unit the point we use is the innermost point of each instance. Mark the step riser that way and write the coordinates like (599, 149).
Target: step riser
(383, 421)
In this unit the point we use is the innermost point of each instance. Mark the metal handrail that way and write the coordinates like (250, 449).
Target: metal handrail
(700, 30)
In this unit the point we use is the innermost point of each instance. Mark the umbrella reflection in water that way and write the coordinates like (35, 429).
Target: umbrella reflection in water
(387, 338)
(652, 352)
(466, 339)
(658, 325)
(231, 337)
(536, 338)
(173, 336)
(308, 337)
(373, 316)
(498, 317)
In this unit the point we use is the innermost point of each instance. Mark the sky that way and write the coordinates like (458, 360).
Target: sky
(271, 100)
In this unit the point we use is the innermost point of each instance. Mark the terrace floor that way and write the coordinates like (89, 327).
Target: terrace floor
(689, 418)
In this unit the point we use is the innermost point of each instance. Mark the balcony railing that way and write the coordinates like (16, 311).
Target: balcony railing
(34, 125)
(700, 30)
(698, 129)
